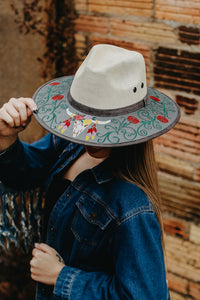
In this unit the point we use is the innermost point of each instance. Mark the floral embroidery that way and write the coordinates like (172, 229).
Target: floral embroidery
(78, 117)
(155, 117)
(162, 119)
(58, 97)
(155, 98)
(133, 120)
(88, 120)
(115, 130)
(54, 83)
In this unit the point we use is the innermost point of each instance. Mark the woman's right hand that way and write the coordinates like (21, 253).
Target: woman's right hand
(15, 115)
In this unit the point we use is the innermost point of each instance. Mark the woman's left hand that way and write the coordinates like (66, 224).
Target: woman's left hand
(46, 264)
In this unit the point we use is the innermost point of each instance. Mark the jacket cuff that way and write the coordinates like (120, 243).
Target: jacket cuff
(64, 282)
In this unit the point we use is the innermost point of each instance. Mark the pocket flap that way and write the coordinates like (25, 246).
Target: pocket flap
(94, 211)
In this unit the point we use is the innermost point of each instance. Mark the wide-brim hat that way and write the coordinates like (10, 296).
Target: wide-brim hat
(107, 102)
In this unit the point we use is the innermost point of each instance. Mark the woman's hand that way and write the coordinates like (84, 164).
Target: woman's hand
(15, 115)
(46, 264)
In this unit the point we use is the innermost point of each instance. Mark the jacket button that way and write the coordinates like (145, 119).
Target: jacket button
(52, 228)
(68, 195)
(93, 215)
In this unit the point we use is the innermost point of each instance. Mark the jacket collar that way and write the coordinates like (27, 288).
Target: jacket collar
(103, 172)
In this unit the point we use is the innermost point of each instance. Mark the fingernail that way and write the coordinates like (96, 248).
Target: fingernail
(36, 245)
(35, 110)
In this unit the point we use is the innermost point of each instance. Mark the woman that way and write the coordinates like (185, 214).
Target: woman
(102, 220)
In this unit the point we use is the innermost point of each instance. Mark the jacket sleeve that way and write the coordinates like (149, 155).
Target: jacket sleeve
(139, 267)
(25, 165)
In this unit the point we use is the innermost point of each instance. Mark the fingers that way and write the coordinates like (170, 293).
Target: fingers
(34, 276)
(38, 257)
(12, 112)
(7, 118)
(24, 107)
(45, 264)
(17, 111)
(34, 268)
(44, 248)
(36, 252)
(29, 102)
(40, 250)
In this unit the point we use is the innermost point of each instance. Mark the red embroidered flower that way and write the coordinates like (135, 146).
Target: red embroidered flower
(54, 83)
(154, 98)
(162, 119)
(78, 117)
(58, 97)
(133, 120)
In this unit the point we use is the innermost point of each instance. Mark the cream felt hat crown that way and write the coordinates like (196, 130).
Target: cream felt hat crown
(107, 102)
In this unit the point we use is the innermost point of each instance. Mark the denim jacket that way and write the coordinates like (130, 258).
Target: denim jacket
(104, 228)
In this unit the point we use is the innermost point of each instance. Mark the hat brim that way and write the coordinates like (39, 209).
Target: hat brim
(57, 116)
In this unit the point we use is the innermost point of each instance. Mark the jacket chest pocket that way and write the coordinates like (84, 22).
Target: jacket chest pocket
(90, 221)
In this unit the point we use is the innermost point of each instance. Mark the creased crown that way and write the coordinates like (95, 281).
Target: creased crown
(110, 78)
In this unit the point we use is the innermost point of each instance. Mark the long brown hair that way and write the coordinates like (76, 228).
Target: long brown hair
(137, 164)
